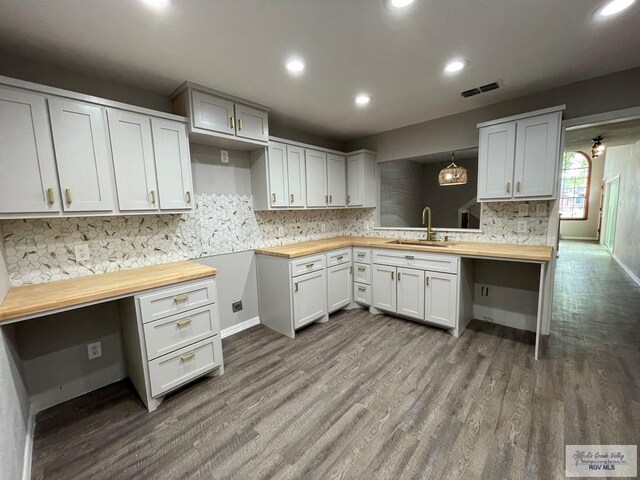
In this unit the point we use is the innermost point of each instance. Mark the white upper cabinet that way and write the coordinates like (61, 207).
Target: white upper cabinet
(212, 113)
(133, 160)
(296, 177)
(336, 180)
(361, 179)
(252, 123)
(28, 181)
(173, 164)
(316, 181)
(277, 165)
(537, 155)
(411, 293)
(82, 156)
(519, 156)
(441, 298)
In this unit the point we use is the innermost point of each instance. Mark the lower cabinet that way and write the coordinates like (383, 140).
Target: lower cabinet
(441, 294)
(411, 292)
(384, 287)
(339, 290)
(309, 298)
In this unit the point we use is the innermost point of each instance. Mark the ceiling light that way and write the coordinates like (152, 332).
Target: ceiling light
(615, 6)
(362, 99)
(400, 3)
(157, 4)
(455, 66)
(295, 65)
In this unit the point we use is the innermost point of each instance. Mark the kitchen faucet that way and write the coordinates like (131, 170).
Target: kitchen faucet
(426, 212)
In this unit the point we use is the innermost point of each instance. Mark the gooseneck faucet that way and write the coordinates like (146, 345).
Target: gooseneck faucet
(426, 212)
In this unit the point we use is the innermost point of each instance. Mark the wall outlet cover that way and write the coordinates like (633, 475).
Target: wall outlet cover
(94, 350)
(236, 306)
(523, 210)
(82, 252)
(280, 232)
(224, 156)
(541, 210)
(523, 227)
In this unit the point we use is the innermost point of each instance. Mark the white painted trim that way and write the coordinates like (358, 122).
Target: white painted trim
(252, 322)
(520, 116)
(28, 444)
(627, 270)
(564, 237)
(305, 145)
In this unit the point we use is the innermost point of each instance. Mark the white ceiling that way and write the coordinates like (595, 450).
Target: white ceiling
(239, 47)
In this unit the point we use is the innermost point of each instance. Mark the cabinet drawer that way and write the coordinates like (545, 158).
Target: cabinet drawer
(172, 333)
(169, 301)
(307, 265)
(173, 370)
(362, 273)
(405, 258)
(338, 257)
(362, 293)
(362, 255)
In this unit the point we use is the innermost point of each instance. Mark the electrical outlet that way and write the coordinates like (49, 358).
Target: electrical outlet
(224, 156)
(94, 350)
(236, 306)
(523, 210)
(541, 210)
(523, 227)
(280, 232)
(82, 252)
(323, 227)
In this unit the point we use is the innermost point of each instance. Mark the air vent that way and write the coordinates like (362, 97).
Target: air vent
(483, 89)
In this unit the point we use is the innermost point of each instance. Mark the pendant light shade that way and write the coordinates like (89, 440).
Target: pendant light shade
(452, 175)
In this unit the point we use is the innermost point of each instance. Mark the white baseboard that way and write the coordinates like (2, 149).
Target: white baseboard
(626, 269)
(28, 446)
(252, 322)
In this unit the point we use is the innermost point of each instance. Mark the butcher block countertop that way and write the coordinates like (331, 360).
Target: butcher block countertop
(507, 251)
(35, 300)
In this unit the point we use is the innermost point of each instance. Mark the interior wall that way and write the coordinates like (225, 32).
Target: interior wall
(458, 132)
(625, 161)
(14, 400)
(588, 229)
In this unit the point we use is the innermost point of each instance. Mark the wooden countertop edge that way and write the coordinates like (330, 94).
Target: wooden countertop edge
(461, 251)
(104, 292)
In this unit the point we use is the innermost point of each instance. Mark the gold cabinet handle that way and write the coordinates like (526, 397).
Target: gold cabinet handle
(295, 287)
(326, 199)
(181, 298)
(292, 198)
(239, 124)
(361, 254)
(348, 198)
(398, 276)
(184, 323)
(518, 187)
(50, 197)
(153, 197)
(391, 275)
(68, 196)
(361, 269)
(362, 289)
(189, 197)
(187, 356)
(273, 198)
(426, 281)
(330, 198)
(232, 124)
(339, 258)
(309, 265)
(409, 257)
(508, 187)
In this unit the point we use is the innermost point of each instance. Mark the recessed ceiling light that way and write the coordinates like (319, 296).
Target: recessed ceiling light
(400, 3)
(615, 6)
(157, 4)
(455, 66)
(362, 99)
(295, 65)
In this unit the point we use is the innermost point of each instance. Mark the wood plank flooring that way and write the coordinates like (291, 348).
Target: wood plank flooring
(367, 396)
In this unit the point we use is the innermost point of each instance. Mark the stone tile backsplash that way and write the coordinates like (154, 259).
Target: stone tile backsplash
(42, 250)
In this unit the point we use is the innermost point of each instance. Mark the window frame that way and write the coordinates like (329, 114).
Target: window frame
(588, 192)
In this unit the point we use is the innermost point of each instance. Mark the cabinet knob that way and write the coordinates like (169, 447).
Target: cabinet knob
(50, 197)
(68, 196)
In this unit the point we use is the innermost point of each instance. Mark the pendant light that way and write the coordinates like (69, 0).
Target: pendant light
(453, 174)
(597, 148)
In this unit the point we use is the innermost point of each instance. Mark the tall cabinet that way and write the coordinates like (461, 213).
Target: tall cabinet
(519, 156)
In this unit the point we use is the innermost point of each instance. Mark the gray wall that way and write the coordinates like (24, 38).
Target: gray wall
(458, 132)
(625, 161)
(14, 401)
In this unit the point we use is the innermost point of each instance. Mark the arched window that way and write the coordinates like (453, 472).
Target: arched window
(574, 195)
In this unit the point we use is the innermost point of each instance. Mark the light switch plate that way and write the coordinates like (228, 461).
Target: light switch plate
(541, 210)
(522, 226)
(523, 210)
(224, 156)
(82, 252)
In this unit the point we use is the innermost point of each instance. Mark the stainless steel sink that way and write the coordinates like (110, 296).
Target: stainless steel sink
(423, 243)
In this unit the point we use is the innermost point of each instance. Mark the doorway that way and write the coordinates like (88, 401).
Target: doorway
(611, 196)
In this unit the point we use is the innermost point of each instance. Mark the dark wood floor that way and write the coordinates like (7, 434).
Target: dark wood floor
(366, 396)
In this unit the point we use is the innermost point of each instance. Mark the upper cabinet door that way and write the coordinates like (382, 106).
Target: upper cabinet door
(495, 161)
(355, 181)
(296, 176)
(277, 164)
(441, 298)
(173, 164)
(212, 113)
(252, 123)
(28, 181)
(316, 178)
(411, 293)
(336, 180)
(133, 160)
(82, 156)
(537, 155)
